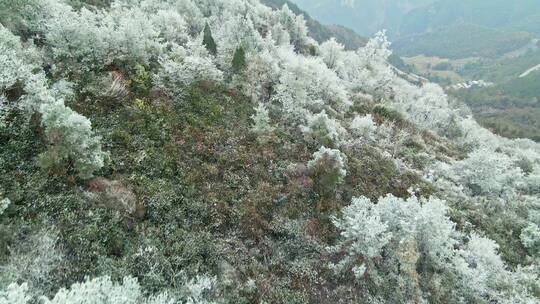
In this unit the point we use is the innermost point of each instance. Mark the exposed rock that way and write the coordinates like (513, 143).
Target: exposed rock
(114, 195)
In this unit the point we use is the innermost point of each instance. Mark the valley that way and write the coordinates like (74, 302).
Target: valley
(462, 46)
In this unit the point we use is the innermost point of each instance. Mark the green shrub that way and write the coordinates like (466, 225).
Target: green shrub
(328, 170)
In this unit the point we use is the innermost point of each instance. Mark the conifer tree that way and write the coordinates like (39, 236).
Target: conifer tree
(208, 40)
(239, 60)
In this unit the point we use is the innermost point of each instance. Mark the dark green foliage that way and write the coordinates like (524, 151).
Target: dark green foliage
(141, 81)
(374, 176)
(384, 113)
(98, 3)
(208, 40)
(443, 66)
(239, 60)
(326, 178)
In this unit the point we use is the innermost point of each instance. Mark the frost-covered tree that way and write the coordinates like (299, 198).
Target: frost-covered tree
(70, 135)
(364, 127)
(307, 85)
(413, 243)
(368, 71)
(290, 29)
(99, 290)
(363, 233)
(4, 204)
(324, 131)
(262, 73)
(261, 121)
(327, 167)
(486, 172)
(237, 30)
(427, 105)
(530, 237)
(33, 260)
(171, 25)
(103, 290)
(484, 275)
(89, 40)
(399, 238)
(15, 294)
(332, 53)
(391, 138)
(71, 139)
(185, 66)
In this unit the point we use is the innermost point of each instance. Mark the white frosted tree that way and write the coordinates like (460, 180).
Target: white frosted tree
(15, 294)
(367, 69)
(261, 121)
(324, 131)
(70, 135)
(262, 73)
(364, 127)
(4, 204)
(487, 172)
(185, 66)
(332, 53)
(419, 238)
(307, 85)
(72, 140)
(290, 29)
(33, 260)
(103, 290)
(89, 40)
(405, 232)
(530, 237)
(363, 233)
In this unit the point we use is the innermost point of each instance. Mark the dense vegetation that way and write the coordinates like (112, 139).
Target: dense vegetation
(180, 151)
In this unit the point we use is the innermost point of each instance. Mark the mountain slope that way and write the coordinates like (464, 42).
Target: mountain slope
(161, 152)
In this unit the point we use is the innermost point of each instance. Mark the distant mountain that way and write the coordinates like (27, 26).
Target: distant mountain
(515, 15)
(320, 32)
(364, 16)
(444, 28)
(462, 40)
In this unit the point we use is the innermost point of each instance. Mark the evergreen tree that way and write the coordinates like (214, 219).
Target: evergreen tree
(239, 60)
(208, 40)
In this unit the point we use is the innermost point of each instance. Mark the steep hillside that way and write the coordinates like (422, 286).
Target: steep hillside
(163, 152)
